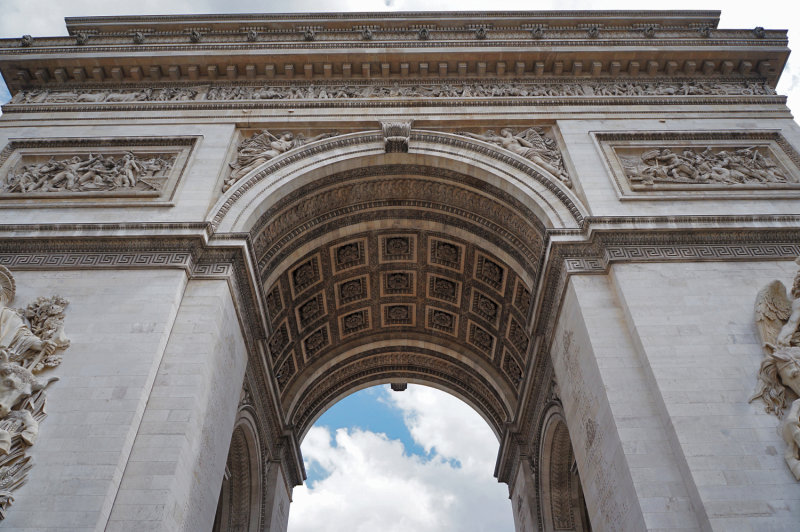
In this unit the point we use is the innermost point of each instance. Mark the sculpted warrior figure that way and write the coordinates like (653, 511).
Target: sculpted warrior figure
(777, 318)
(88, 172)
(263, 146)
(28, 343)
(530, 144)
(741, 166)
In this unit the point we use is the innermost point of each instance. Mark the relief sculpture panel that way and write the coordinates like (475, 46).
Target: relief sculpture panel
(397, 90)
(72, 169)
(713, 164)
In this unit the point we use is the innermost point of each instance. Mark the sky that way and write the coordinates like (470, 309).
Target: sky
(418, 460)
(421, 459)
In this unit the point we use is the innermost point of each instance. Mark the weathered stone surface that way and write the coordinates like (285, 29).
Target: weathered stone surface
(564, 220)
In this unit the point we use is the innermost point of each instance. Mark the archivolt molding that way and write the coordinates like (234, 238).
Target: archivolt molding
(545, 195)
(407, 364)
(241, 497)
(560, 498)
(402, 192)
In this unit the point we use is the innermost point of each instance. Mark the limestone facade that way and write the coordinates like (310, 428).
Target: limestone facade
(562, 218)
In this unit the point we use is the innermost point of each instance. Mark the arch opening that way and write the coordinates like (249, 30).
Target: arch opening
(423, 456)
(397, 268)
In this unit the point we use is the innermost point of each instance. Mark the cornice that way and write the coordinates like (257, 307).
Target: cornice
(711, 16)
(352, 46)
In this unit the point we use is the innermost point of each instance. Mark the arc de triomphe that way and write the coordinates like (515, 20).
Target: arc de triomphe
(562, 218)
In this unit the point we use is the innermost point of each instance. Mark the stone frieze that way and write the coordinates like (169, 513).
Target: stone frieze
(450, 89)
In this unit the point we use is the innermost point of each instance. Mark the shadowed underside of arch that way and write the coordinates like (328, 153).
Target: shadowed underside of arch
(410, 267)
(395, 272)
(385, 364)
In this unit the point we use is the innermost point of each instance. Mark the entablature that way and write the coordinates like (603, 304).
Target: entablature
(403, 46)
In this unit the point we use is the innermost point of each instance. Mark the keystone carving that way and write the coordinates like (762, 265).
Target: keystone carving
(777, 319)
(731, 166)
(88, 173)
(254, 151)
(30, 341)
(396, 135)
(532, 144)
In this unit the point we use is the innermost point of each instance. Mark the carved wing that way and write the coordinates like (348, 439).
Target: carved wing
(772, 310)
(13, 470)
(532, 136)
(260, 141)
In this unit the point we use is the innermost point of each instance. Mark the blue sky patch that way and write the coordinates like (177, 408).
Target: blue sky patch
(371, 410)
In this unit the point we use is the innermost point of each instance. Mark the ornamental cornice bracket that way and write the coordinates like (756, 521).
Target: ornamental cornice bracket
(396, 136)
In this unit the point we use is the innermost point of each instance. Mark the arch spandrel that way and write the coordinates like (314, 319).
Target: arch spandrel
(547, 197)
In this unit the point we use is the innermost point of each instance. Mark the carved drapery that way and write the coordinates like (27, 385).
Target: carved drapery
(778, 321)
(31, 341)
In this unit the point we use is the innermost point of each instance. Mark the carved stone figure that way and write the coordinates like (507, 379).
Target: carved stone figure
(431, 90)
(263, 146)
(777, 319)
(738, 166)
(29, 341)
(532, 144)
(82, 173)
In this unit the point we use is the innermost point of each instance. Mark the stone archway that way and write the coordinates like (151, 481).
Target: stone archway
(562, 502)
(240, 499)
(383, 267)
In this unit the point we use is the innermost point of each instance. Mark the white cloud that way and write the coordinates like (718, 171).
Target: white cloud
(441, 421)
(374, 485)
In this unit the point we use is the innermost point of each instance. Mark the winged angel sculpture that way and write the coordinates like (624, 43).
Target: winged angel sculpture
(263, 146)
(777, 319)
(30, 341)
(532, 144)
